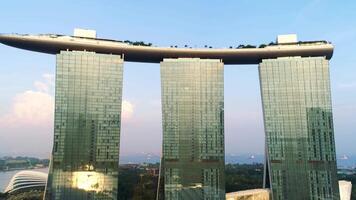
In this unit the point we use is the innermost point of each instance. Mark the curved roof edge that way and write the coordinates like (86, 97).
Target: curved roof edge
(53, 44)
(23, 180)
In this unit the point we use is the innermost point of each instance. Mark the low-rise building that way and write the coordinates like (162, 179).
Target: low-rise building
(26, 181)
(345, 188)
(253, 194)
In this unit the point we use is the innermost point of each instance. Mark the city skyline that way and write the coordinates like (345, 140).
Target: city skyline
(135, 122)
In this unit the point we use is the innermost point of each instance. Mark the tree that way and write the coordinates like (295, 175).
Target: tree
(262, 46)
(30, 195)
(249, 46)
(241, 46)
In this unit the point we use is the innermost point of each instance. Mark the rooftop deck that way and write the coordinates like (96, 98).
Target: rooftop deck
(53, 44)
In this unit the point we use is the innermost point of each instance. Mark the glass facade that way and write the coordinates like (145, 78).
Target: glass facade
(193, 128)
(299, 128)
(85, 155)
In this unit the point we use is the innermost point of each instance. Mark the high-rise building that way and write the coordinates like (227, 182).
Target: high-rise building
(299, 128)
(193, 128)
(85, 154)
(295, 89)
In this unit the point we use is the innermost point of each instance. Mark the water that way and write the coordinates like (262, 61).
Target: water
(5, 177)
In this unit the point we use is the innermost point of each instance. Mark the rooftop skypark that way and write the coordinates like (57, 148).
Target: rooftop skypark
(139, 51)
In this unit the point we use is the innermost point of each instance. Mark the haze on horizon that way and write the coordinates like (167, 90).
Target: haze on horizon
(27, 78)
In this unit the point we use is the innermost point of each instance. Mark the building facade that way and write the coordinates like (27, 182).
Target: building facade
(193, 128)
(251, 194)
(295, 91)
(84, 163)
(298, 122)
(345, 188)
(24, 181)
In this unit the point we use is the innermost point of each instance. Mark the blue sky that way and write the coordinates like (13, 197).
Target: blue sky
(26, 78)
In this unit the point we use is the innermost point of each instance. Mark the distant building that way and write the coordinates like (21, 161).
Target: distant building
(345, 188)
(154, 171)
(25, 181)
(129, 166)
(253, 194)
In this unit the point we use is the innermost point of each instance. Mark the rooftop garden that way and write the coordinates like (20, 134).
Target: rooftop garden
(241, 46)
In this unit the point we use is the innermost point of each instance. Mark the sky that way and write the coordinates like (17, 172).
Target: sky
(27, 78)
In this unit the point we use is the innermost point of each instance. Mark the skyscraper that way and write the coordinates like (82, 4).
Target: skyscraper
(299, 128)
(193, 128)
(85, 155)
(295, 89)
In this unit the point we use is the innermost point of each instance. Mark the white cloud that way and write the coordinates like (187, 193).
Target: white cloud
(40, 86)
(127, 110)
(27, 127)
(46, 85)
(32, 107)
(36, 107)
(29, 121)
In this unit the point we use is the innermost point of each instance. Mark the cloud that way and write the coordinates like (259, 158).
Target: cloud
(32, 107)
(46, 85)
(127, 110)
(40, 86)
(27, 127)
(29, 120)
(36, 107)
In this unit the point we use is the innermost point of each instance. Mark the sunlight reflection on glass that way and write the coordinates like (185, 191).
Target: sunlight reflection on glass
(88, 181)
